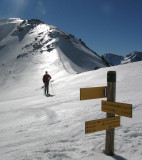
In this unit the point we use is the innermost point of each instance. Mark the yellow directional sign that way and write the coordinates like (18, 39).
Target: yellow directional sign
(92, 93)
(121, 109)
(102, 124)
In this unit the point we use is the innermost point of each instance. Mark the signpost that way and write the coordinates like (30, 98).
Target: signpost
(111, 95)
(109, 106)
(92, 93)
(121, 109)
(102, 124)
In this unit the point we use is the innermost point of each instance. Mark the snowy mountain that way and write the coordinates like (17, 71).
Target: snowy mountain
(36, 127)
(30, 46)
(132, 57)
(113, 59)
(32, 36)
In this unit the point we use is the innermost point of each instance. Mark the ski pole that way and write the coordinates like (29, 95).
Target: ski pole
(52, 87)
(43, 89)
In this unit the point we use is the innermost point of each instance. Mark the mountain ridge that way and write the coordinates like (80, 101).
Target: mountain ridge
(47, 40)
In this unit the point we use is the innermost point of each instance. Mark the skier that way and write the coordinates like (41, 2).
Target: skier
(46, 79)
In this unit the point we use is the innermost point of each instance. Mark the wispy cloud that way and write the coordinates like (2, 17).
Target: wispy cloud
(41, 7)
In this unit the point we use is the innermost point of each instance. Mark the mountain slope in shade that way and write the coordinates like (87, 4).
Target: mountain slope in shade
(113, 59)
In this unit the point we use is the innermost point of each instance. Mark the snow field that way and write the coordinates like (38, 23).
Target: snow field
(39, 127)
(35, 127)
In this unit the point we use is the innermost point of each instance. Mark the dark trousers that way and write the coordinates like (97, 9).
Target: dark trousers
(46, 88)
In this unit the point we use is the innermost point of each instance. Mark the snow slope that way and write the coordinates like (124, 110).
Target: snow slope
(39, 127)
(35, 127)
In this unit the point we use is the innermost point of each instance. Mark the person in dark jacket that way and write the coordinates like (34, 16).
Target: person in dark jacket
(46, 79)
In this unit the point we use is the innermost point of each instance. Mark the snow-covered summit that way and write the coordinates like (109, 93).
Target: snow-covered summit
(10, 20)
(40, 37)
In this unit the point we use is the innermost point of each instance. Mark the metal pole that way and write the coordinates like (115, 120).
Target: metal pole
(111, 95)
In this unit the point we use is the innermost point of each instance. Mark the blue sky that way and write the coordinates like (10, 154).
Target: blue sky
(106, 26)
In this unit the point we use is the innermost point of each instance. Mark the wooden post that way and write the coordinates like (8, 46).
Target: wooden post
(111, 94)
